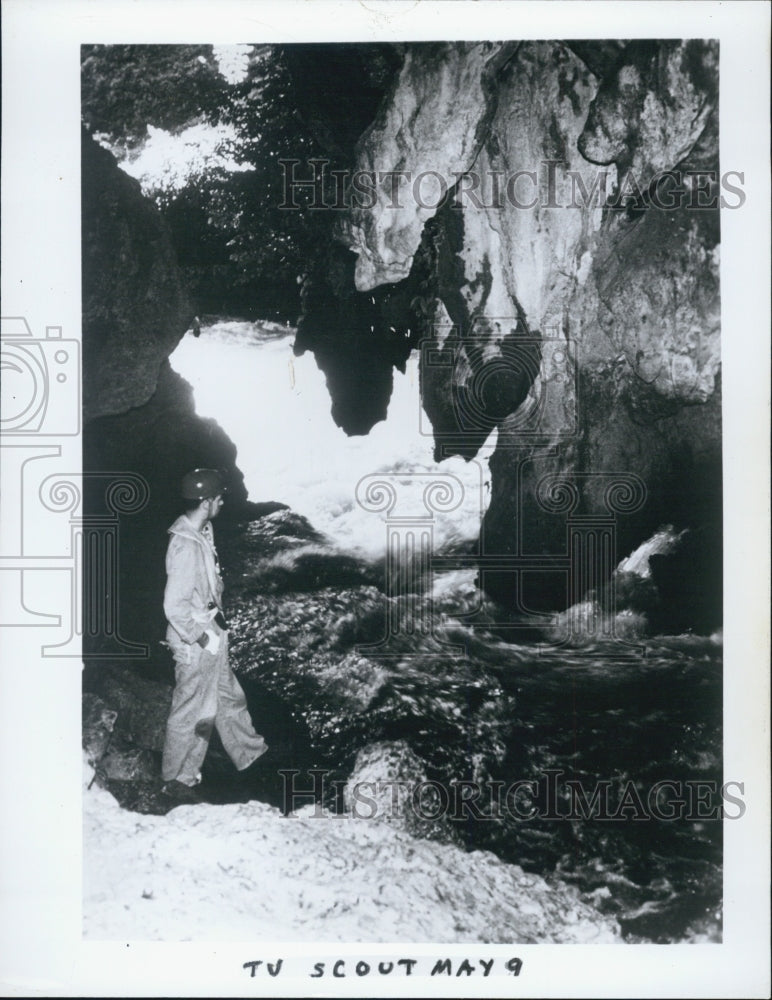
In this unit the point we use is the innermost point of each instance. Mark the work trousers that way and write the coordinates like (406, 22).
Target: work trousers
(206, 694)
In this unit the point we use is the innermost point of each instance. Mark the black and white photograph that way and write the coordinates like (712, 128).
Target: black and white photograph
(385, 498)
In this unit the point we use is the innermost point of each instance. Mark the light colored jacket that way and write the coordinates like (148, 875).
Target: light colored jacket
(193, 581)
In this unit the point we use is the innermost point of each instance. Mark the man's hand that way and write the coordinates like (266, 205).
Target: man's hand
(210, 641)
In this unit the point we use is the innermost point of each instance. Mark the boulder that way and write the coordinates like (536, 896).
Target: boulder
(158, 442)
(653, 105)
(140, 707)
(139, 415)
(129, 765)
(98, 726)
(135, 307)
(389, 784)
(670, 584)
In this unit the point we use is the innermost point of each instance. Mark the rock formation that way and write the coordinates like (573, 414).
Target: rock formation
(586, 332)
(564, 289)
(139, 415)
(135, 308)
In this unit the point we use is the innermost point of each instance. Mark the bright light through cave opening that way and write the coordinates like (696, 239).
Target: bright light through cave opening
(275, 407)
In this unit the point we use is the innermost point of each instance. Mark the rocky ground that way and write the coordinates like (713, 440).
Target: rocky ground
(236, 863)
(245, 871)
(244, 862)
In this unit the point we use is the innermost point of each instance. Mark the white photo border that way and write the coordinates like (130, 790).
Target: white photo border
(41, 948)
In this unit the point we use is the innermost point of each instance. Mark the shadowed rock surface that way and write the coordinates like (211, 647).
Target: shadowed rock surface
(589, 336)
(135, 308)
(139, 415)
(561, 292)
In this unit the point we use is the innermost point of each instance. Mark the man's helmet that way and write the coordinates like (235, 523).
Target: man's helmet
(200, 484)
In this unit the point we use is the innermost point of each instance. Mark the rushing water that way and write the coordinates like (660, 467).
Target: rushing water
(276, 409)
(502, 715)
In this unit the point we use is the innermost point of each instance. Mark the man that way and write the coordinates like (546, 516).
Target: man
(206, 693)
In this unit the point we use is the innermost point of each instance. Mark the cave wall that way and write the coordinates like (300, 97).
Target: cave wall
(135, 306)
(588, 333)
(139, 415)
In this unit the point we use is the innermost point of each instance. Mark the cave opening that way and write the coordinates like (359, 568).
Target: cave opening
(245, 376)
(357, 621)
